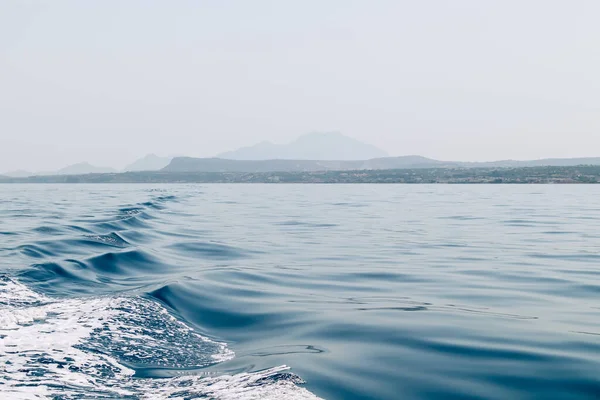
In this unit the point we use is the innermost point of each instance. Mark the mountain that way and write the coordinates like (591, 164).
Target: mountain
(17, 174)
(151, 162)
(405, 162)
(189, 164)
(313, 146)
(213, 165)
(76, 169)
(83, 168)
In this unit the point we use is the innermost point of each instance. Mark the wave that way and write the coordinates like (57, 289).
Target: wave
(97, 347)
(211, 250)
(112, 239)
(136, 216)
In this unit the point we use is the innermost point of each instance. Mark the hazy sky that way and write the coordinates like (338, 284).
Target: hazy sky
(110, 81)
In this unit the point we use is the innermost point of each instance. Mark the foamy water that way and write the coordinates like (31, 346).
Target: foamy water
(78, 348)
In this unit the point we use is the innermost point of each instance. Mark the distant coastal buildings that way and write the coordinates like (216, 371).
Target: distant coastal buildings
(525, 175)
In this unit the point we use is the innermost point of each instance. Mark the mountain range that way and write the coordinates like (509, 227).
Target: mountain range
(311, 152)
(84, 168)
(150, 162)
(75, 169)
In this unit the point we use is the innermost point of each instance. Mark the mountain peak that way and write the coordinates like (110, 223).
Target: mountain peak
(150, 162)
(83, 168)
(311, 146)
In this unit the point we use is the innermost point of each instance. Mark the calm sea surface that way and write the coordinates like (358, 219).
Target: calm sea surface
(299, 292)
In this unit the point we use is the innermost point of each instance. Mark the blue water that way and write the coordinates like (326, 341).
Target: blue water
(299, 291)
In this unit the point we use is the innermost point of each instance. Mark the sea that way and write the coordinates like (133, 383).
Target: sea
(340, 292)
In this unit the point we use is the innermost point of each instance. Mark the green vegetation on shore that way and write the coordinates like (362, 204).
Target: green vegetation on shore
(535, 175)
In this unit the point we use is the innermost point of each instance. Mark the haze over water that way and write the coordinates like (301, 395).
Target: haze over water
(364, 291)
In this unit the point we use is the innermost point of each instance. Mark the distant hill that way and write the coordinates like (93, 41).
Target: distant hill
(313, 146)
(212, 165)
(83, 168)
(17, 174)
(75, 169)
(405, 162)
(151, 162)
(555, 162)
(189, 164)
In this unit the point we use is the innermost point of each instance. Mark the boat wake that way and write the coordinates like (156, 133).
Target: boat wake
(92, 348)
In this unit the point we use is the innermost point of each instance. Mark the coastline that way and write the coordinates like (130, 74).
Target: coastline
(584, 174)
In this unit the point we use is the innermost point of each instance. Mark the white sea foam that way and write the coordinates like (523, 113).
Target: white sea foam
(87, 348)
(272, 384)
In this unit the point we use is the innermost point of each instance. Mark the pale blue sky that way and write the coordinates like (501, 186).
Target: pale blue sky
(110, 81)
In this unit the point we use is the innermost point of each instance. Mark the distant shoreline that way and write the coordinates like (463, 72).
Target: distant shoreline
(583, 174)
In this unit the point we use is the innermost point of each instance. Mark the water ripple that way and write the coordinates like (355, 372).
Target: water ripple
(367, 292)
